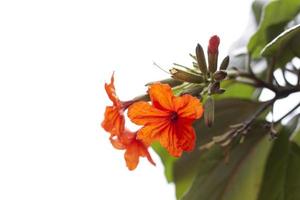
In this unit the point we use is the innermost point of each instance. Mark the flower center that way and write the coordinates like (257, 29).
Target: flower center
(174, 116)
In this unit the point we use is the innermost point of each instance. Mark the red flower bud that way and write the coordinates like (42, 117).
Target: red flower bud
(213, 45)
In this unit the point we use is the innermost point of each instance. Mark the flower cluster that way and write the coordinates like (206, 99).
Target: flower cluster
(167, 119)
(163, 116)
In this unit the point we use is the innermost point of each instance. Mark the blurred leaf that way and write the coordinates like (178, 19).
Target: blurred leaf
(276, 15)
(238, 51)
(284, 47)
(187, 167)
(257, 8)
(282, 177)
(257, 169)
(235, 90)
(240, 177)
(296, 137)
(167, 160)
(281, 42)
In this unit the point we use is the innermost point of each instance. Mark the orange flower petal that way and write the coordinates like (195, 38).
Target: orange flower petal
(132, 156)
(111, 92)
(186, 136)
(169, 140)
(152, 132)
(188, 107)
(135, 150)
(113, 121)
(117, 143)
(142, 113)
(161, 96)
(145, 153)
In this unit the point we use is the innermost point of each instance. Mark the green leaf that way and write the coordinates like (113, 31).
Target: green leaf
(235, 90)
(257, 8)
(258, 169)
(280, 43)
(284, 47)
(187, 167)
(240, 177)
(276, 15)
(167, 160)
(295, 137)
(238, 51)
(282, 178)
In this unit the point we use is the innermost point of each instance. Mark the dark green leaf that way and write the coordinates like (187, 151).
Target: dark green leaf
(284, 47)
(282, 178)
(239, 178)
(187, 167)
(281, 42)
(275, 17)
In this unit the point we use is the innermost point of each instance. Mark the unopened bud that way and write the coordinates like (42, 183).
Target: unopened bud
(224, 63)
(213, 88)
(213, 45)
(186, 76)
(213, 53)
(170, 81)
(201, 59)
(220, 75)
(209, 111)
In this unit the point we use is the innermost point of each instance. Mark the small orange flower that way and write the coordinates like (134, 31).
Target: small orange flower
(134, 149)
(168, 120)
(113, 118)
(114, 123)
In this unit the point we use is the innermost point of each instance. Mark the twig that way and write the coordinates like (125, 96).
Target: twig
(270, 71)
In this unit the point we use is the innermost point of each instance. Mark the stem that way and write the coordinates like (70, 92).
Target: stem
(258, 82)
(259, 112)
(270, 71)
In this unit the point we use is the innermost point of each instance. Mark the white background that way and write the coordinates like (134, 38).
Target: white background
(54, 59)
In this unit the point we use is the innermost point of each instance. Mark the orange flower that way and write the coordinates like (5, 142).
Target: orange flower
(114, 123)
(168, 120)
(113, 118)
(134, 149)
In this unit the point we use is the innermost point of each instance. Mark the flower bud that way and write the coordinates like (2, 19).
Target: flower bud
(209, 111)
(220, 75)
(170, 81)
(186, 76)
(213, 45)
(213, 53)
(213, 88)
(224, 63)
(201, 59)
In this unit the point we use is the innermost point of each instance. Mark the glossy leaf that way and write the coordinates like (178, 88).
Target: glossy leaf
(275, 17)
(281, 42)
(284, 47)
